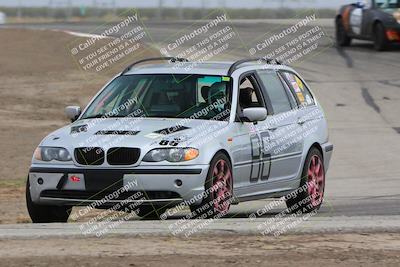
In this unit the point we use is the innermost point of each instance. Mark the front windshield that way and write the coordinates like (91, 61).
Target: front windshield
(164, 96)
(388, 4)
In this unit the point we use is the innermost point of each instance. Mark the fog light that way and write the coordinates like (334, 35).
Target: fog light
(40, 181)
(178, 182)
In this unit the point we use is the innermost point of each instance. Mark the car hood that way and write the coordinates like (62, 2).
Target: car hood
(130, 132)
(392, 11)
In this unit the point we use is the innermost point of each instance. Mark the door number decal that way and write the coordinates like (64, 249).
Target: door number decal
(261, 160)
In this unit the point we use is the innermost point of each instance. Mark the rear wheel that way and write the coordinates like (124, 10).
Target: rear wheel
(45, 213)
(310, 195)
(381, 42)
(219, 189)
(342, 39)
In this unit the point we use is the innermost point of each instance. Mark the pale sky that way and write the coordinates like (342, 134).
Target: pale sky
(187, 3)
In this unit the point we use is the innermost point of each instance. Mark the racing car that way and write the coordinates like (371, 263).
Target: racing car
(204, 135)
(374, 20)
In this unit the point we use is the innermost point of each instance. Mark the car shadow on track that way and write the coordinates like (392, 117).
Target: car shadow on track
(248, 214)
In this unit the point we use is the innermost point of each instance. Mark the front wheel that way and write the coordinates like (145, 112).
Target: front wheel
(381, 42)
(309, 196)
(342, 39)
(45, 213)
(219, 189)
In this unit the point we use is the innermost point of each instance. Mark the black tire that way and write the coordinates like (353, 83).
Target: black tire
(45, 213)
(300, 200)
(150, 212)
(207, 208)
(342, 39)
(381, 43)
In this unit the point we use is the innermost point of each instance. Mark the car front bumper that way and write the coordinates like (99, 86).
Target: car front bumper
(327, 150)
(162, 185)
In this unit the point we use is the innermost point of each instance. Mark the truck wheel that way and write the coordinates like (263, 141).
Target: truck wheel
(219, 189)
(309, 196)
(45, 213)
(381, 42)
(342, 39)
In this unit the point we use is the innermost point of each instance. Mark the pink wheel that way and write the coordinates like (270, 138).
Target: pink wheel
(222, 186)
(219, 188)
(310, 195)
(316, 180)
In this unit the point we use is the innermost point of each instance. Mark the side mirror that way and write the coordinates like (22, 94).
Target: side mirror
(72, 112)
(254, 114)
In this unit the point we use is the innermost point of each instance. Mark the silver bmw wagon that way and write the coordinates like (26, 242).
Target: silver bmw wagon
(204, 135)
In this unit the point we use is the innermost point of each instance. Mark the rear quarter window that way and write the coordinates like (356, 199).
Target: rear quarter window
(300, 90)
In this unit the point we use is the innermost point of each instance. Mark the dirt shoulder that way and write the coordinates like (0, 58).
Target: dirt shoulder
(39, 78)
(234, 250)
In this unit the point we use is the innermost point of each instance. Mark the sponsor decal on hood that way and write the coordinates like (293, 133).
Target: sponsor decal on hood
(172, 129)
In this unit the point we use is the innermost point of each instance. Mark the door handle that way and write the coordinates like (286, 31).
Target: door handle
(272, 129)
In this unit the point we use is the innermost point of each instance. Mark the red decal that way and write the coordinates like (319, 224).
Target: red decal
(75, 179)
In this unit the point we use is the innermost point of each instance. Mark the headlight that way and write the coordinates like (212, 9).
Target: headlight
(52, 153)
(171, 154)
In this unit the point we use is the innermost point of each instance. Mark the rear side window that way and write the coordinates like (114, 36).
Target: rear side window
(275, 91)
(301, 91)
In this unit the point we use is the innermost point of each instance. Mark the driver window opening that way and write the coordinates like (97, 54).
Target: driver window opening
(249, 94)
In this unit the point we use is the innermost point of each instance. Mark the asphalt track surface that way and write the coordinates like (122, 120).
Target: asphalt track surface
(359, 89)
